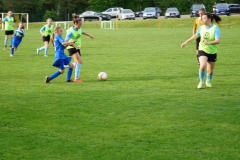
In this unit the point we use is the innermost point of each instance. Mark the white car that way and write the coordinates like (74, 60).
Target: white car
(113, 12)
(127, 14)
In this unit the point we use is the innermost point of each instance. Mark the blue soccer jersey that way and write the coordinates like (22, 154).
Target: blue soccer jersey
(17, 37)
(59, 48)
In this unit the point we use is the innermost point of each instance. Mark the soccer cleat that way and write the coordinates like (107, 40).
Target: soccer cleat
(47, 79)
(11, 55)
(69, 80)
(200, 85)
(208, 84)
(38, 51)
(78, 80)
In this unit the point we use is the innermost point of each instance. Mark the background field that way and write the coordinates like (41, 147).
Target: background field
(149, 108)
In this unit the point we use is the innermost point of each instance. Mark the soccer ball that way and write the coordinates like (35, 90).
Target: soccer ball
(102, 76)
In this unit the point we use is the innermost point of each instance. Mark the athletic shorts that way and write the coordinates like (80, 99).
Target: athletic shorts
(59, 63)
(9, 32)
(72, 51)
(15, 43)
(197, 42)
(46, 38)
(211, 57)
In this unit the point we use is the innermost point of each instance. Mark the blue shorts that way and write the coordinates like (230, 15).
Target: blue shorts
(15, 44)
(59, 63)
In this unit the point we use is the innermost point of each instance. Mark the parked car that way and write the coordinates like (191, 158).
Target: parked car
(113, 12)
(222, 9)
(151, 12)
(92, 15)
(234, 8)
(126, 14)
(195, 8)
(139, 14)
(172, 12)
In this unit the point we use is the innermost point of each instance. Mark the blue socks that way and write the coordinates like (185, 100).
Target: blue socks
(5, 42)
(201, 76)
(69, 74)
(54, 75)
(46, 52)
(209, 77)
(77, 70)
(12, 51)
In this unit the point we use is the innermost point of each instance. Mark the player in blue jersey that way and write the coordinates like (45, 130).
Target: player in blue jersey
(9, 21)
(46, 32)
(17, 38)
(60, 58)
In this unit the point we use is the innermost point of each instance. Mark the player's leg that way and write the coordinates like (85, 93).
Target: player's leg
(5, 40)
(59, 64)
(70, 69)
(46, 45)
(203, 64)
(210, 67)
(43, 47)
(11, 36)
(78, 66)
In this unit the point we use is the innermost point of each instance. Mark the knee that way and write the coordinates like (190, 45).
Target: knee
(61, 71)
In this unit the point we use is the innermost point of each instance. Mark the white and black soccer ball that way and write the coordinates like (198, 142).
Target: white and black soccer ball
(102, 76)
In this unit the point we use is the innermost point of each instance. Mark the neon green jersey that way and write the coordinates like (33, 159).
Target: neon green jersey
(48, 30)
(209, 36)
(9, 23)
(76, 36)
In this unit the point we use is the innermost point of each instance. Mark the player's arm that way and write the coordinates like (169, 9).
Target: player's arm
(194, 28)
(86, 34)
(42, 30)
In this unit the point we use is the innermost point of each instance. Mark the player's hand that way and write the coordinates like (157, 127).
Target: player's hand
(91, 36)
(206, 43)
(183, 45)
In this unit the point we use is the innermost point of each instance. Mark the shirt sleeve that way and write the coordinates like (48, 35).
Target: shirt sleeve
(43, 28)
(217, 32)
(5, 19)
(68, 36)
(60, 39)
(199, 31)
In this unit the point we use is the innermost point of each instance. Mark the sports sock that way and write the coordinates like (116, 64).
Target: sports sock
(209, 77)
(201, 76)
(46, 52)
(78, 70)
(5, 42)
(69, 74)
(12, 51)
(54, 75)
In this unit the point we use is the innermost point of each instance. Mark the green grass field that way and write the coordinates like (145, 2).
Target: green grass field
(149, 107)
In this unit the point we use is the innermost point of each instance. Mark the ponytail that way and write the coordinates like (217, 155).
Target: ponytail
(213, 17)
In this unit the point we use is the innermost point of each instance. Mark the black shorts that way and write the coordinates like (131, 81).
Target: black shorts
(46, 38)
(211, 57)
(72, 51)
(197, 42)
(9, 32)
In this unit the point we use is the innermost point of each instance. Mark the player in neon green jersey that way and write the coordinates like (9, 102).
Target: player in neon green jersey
(9, 22)
(74, 34)
(46, 32)
(210, 37)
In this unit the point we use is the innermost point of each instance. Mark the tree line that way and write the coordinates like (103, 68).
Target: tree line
(39, 10)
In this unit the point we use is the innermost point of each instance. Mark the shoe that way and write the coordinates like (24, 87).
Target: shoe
(78, 80)
(208, 84)
(38, 51)
(200, 85)
(11, 55)
(69, 80)
(4, 48)
(47, 79)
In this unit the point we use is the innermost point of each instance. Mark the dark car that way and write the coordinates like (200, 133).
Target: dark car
(151, 12)
(172, 12)
(234, 8)
(222, 9)
(195, 8)
(138, 14)
(92, 15)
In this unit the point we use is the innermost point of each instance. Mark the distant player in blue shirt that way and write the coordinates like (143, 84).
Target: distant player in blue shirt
(17, 38)
(60, 58)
